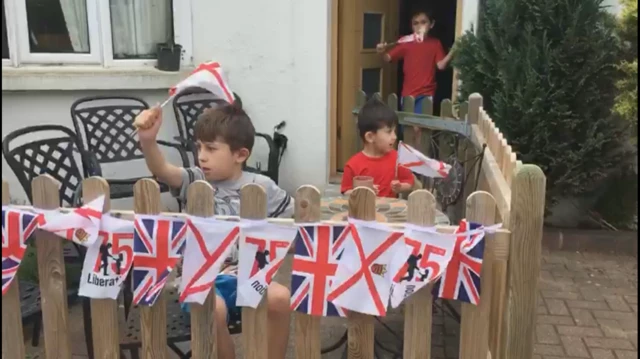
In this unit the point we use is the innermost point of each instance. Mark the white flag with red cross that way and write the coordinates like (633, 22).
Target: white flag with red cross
(362, 282)
(108, 260)
(209, 242)
(80, 225)
(415, 37)
(416, 162)
(208, 76)
(423, 260)
(263, 248)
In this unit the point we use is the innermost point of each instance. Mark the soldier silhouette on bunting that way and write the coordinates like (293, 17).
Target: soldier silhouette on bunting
(412, 266)
(105, 254)
(261, 258)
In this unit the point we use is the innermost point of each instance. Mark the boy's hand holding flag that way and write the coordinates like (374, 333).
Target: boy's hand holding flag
(415, 161)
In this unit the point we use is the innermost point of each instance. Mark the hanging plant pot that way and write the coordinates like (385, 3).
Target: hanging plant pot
(169, 57)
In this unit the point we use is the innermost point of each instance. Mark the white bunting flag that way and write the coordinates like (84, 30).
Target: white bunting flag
(263, 248)
(208, 76)
(80, 225)
(422, 261)
(108, 260)
(416, 162)
(209, 243)
(362, 281)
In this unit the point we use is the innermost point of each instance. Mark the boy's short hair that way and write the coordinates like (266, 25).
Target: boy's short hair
(426, 12)
(229, 124)
(375, 115)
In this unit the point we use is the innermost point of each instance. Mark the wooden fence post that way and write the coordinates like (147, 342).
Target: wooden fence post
(203, 327)
(307, 327)
(12, 339)
(418, 307)
(470, 167)
(362, 205)
(153, 319)
(525, 225)
(499, 294)
(51, 274)
(253, 205)
(104, 312)
(474, 328)
(408, 105)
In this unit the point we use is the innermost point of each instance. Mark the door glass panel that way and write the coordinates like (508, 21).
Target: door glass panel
(371, 81)
(372, 30)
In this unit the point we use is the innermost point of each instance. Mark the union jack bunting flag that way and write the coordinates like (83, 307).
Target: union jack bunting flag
(157, 244)
(461, 280)
(317, 252)
(17, 226)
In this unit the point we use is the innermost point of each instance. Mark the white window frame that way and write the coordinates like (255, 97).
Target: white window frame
(100, 41)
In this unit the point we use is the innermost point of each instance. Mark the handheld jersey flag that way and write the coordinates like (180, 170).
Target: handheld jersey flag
(262, 250)
(157, 244)
(80, 225)
(17, 227)
(209, 76)
(363, 282)
(208, 244)
(318, 250)
(415, 161)
(415, 37)
(109, 260)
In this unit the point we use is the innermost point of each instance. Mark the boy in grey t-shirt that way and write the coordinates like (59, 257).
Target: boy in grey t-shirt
(225, 138)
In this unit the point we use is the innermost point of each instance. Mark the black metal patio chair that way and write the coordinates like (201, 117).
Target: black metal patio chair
(104, 125)
(190, 104)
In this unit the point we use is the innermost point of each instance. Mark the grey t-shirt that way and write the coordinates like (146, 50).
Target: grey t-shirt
(227, 193)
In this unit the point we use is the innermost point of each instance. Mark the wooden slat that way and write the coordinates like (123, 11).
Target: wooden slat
(12, 340)
(418, 307)
(104, 312)
(51, 274)
(470, 166)
(527, 206)
(446, 112)
(200, 203)
(153, 319)
(474, 328)
(362, 205)
(307, 333)
(499, 295)
(463, 111)
(254, 321)
(409, 105)
(424, 140)
(392, 101)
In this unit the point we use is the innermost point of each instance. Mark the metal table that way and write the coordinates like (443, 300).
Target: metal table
(392, 210)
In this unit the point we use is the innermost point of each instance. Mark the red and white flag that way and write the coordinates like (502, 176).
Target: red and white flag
(208, 76)
(263, 248)
(362, 282)
(415, 37)
(80, 225)
(208, 244)
(108, 260)
(415, 161)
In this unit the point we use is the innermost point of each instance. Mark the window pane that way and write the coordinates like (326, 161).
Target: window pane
(5, 42)
(371, 81)
(371, 31)
(138, 26)
(58, 26)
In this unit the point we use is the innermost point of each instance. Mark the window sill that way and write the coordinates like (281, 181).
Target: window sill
(68, 78)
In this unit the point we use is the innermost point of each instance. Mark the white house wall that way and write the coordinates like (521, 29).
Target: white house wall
(276, 56)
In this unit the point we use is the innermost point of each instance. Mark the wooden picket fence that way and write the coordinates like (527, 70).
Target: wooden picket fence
(501, 326)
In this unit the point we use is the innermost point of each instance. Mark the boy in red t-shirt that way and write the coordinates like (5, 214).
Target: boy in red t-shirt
(421, 57)
(378, 159)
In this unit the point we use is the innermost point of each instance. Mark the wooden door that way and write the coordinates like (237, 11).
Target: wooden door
(362, 25)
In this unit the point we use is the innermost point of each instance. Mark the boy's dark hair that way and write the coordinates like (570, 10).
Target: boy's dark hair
(375, 115)
(229, 124)
(426, 12)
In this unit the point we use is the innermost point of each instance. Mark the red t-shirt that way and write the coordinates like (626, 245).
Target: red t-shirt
(382, 169)
(420, 60)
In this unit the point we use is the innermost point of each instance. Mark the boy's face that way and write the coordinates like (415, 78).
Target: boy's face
(218, 162)
(421, 24)
(383, 140)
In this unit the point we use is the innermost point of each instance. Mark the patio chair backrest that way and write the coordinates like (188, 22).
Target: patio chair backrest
(104, 125)
(60, 157)
(188, 106)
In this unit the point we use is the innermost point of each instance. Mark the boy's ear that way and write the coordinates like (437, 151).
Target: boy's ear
(242, 155)
(369, 136)
(432, 24)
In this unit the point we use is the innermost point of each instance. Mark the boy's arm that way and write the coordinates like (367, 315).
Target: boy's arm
(395, 54)
(279, 202)
(406, 178)
(148, 123)
(346, 186)
(442, 64)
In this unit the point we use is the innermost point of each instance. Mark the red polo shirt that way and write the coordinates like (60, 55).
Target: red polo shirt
(382, 169)
(420, 60)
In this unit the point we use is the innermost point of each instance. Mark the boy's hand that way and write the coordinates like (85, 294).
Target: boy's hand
(381, 47)
(376, 189)
(148, 124)
(399, 187)
(442, 65)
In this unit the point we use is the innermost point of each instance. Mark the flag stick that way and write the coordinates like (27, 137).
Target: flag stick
(161, 106)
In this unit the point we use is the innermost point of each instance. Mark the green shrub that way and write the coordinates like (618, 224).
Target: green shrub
(547, 71)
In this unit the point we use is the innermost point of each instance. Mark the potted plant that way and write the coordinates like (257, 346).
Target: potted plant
(169, 55)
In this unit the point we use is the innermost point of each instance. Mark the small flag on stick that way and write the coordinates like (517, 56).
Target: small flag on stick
(415, 161)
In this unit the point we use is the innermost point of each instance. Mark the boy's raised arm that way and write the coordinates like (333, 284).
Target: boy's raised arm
(148, 123)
